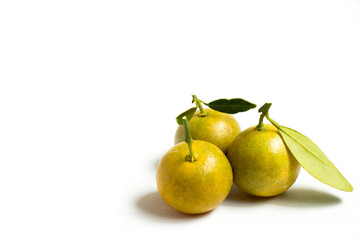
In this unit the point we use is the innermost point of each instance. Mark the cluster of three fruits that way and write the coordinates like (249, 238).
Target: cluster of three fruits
(258, 162)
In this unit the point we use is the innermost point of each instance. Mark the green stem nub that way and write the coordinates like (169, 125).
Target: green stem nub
(191, 156)
(197, 102)
(264, 110)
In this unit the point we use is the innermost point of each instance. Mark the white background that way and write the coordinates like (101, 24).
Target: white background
(89, 92)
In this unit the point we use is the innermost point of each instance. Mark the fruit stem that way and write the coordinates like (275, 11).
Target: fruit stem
(197, 102)
(191, 156)
(264, 110)
(261, 126)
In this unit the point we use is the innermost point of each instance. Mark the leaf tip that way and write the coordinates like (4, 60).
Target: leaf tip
(349, 188)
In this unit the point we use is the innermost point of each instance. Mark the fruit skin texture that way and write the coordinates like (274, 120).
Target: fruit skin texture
(194, 187)
(262, 164)
(217, 128)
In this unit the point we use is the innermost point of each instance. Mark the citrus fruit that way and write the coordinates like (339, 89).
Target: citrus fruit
(194, 186)
(215, 127)
(262, 164)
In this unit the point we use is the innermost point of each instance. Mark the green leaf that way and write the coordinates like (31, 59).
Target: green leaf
(188, 114)
(231, 106)
(312, 159)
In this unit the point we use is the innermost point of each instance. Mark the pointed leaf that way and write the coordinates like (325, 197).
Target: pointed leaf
(231, 106)
(188, 114)
(313, 160)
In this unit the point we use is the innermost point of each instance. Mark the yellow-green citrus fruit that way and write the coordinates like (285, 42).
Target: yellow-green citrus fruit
(198, 186)
(217, 128)
(262, 164)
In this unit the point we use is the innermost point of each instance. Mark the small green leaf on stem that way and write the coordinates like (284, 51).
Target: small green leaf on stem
(231, 106)
(188, 114)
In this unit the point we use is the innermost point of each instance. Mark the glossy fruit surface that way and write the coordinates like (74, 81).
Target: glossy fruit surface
(198, 186)
(262, 164)
(217, 128)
